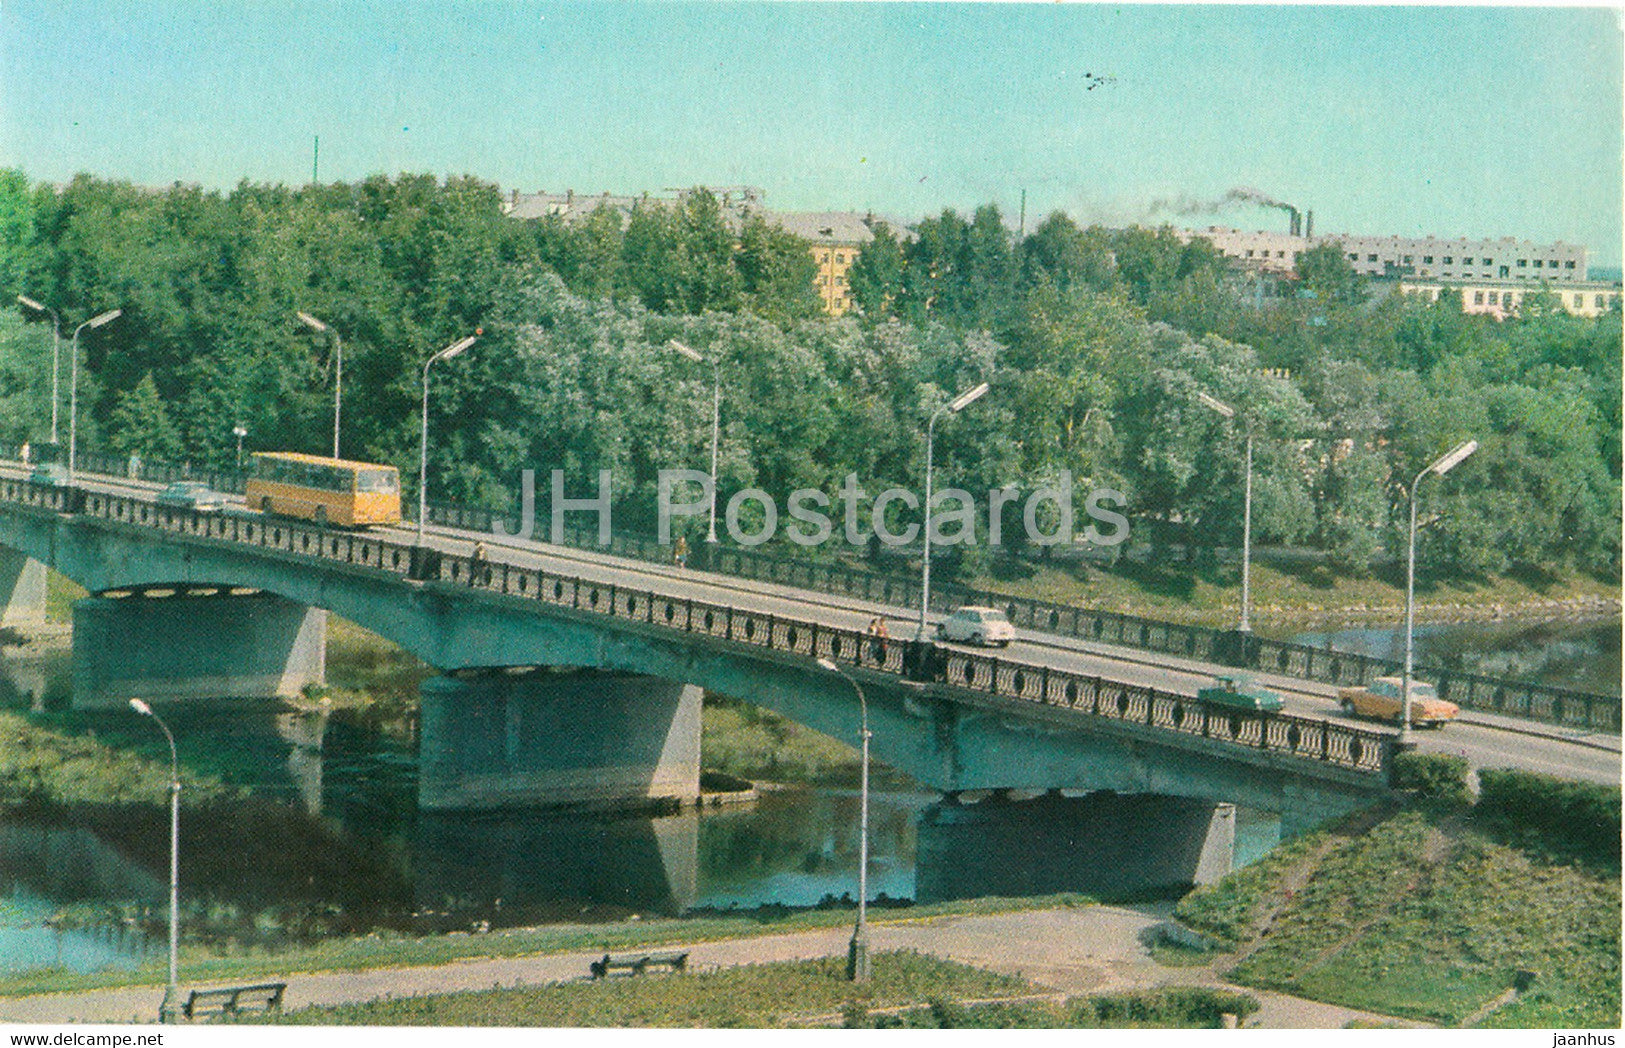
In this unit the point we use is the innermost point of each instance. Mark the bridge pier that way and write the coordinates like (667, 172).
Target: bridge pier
(186, 646)
(557, 738)
(1104, 844)
(22, 589)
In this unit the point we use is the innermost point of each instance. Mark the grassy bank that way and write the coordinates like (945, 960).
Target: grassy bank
(907, 990)
(1210, 594)
(758, 744)
(206, 964)
(1429, 914)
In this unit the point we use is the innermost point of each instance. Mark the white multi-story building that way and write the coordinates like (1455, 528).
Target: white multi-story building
(1519, 261)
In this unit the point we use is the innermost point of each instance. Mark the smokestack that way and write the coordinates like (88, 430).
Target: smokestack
(1309, 226)
(1296, 227)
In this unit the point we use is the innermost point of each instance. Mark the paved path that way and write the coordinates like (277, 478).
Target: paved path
(1097, 949)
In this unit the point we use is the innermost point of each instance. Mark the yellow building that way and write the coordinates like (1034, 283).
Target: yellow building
(836, 237)
(1502, 298)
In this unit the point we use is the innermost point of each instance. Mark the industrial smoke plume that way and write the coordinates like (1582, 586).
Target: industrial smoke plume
(1240, 195)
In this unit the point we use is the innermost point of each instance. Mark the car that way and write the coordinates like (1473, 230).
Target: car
(975, 625)
(193, 495)
(50, 475)
(1383, 699)
(1241, 693)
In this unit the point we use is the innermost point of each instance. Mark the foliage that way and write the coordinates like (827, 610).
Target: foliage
(758, 744)
(1095, 340)
(1543, 812)
(1440, 776)
(748, 995)
(1423, 917)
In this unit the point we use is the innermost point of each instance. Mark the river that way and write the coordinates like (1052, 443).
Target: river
(331, 842)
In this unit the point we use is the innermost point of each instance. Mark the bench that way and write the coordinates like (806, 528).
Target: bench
(638, 963)
(230, 1000)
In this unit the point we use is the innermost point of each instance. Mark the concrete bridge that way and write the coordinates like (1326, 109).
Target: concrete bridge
(575, 688)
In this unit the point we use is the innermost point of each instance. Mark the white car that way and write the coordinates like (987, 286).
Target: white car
(977, 626)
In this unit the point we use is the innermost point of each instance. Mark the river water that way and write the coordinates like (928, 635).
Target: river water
(1584, 655)
(331, 842)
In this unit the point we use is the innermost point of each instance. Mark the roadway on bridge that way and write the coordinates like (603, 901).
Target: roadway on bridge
(1488, 741)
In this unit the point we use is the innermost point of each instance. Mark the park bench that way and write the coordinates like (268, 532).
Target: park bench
(231, 1000)
(638, 963)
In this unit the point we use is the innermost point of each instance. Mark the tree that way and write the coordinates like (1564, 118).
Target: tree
(776, 272)
(1325, 271)
(876, 276)
(140, 424)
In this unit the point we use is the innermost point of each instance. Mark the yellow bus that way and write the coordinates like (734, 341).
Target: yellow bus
(325, 490)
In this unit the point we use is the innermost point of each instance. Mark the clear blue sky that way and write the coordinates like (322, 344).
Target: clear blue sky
(1452, 121)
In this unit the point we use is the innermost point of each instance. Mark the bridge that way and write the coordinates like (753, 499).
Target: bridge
(574, 679)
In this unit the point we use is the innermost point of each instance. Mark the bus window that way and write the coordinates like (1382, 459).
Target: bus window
(377, 481)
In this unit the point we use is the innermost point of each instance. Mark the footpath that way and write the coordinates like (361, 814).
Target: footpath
(1089, 950)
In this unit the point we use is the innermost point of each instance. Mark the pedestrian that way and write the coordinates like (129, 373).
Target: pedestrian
(25, 452)
(679, 552)
(884, 636)
(477, 568)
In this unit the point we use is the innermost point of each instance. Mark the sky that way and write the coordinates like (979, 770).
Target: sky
(1448, 121)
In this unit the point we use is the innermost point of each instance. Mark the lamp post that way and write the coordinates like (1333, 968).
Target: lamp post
(857, 955)
(73, 383)
(455, 349)
(716, 422)
(338, 370)
(954, 406)
(240, 431)
(1440, 466)
(56, 345)
(1227, 411)
(172, 990)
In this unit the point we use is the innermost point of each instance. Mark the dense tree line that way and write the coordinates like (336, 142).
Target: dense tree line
(1096, 342)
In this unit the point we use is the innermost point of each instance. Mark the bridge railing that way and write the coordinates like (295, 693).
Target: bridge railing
(1527, 699)
(1357, 749)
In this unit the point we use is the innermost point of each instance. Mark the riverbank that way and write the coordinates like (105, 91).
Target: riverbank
(1300, 594)
(1438, 912)
(376, 951)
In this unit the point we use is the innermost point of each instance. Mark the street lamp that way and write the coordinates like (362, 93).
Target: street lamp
(1246, 514)
(338, 370)
(716, 422)
(73, 383)
(1440, 466)
(956, 405)
(56, 343)
(171, 992)
(240, 431)
(455, 349)
(857, 954)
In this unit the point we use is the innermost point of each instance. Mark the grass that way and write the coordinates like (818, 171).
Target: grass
(1210, 594)
(745, 996)
(755, 743)
(203, 963)
(907, 990)
(1426, 916)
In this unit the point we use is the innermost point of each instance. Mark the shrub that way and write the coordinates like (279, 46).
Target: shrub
(1543, 811)
(1441, 776)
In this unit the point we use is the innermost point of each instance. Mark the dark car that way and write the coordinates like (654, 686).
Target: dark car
(193, 495)
(1241, 693)
(51, 475)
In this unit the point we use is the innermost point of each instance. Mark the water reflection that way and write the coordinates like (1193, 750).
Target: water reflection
(1581, 655)
(44, 868)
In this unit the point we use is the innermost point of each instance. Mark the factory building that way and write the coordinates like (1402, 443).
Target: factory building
(1518, 261)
